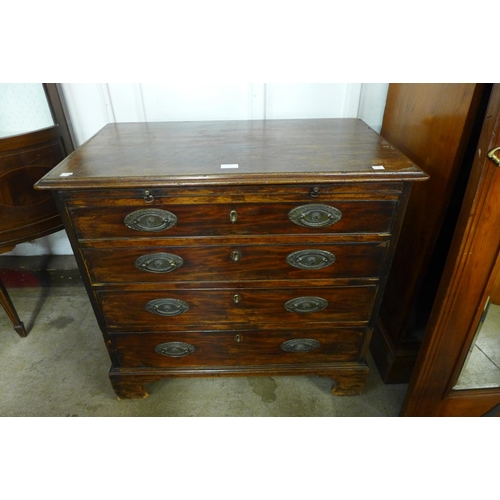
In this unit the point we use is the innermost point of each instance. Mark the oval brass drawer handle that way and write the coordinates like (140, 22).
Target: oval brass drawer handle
(167, 307)
(174, 349)
(159, 262)
(311, 259)
(150, 219)
(315, 215)
(305, 305)
(300, 345)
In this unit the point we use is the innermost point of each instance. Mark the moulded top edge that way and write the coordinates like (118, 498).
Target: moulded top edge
(221, 180)
(282, 151)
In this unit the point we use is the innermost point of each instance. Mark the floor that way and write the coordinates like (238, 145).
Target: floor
(60, 369)
(482, 366)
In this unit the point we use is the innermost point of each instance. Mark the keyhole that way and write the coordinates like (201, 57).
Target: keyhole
(235, 256)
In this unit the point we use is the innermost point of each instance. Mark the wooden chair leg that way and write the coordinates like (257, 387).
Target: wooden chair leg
(11, 311)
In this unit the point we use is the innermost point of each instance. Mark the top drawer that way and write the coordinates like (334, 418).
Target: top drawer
(227, 219)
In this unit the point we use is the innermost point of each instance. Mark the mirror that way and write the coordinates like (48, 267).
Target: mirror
(481, 369)
(23, 108)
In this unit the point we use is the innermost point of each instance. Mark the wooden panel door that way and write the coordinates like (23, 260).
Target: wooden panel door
(464, 293)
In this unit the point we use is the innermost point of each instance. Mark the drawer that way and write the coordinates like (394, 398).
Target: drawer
(221, 308)
(210, 194)
(230, 348)
(370, 216)
(233, 262)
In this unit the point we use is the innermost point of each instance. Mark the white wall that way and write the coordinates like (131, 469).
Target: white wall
(23, 108)
(93, 105)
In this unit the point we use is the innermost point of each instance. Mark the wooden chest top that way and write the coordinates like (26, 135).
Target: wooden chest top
(231, 152)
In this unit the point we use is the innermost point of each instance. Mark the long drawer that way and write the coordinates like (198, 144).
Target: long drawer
(371, 216)
(233, 262)
(181, 349)
(214, 308)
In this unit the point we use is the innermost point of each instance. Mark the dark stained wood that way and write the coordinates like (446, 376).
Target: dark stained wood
(214, 220)
(214, 262)
(238, 348)
(495, 289)
(432, 124)
(191, 153)
(348, 378)
(217, 307)
(472, 263)
(239, 193)
(236, 316)
(7, 304)
(25, 213)
(60, 115)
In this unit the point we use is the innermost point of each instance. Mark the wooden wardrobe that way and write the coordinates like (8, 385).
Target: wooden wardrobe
(437, 126)
(469, 282)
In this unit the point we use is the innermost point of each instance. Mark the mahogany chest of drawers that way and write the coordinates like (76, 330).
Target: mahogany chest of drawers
(234, 248)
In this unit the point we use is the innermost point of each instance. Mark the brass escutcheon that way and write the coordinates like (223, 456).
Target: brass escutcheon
(235, 256)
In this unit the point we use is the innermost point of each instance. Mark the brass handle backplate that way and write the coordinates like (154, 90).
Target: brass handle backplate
(174, 349)
(299, 345)
(310, 259)
(315, 215)
(150, 219)
(493, 157)
(159, 262)
(167, 307)
(304, 305)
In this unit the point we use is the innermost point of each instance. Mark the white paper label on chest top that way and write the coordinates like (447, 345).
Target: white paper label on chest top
(229, 165)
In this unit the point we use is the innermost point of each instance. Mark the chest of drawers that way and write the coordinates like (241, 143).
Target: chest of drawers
(234, 248)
